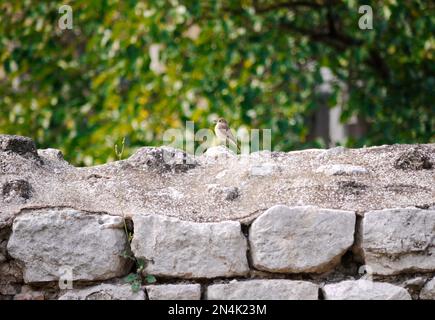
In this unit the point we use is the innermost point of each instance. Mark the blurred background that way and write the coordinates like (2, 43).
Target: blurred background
(134, 69)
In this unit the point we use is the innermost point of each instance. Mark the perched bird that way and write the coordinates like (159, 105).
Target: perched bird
(224, 134)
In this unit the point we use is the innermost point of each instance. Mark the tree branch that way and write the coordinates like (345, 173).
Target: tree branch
(337, 40)
(379, 64)
(340, 41)
(331, 36)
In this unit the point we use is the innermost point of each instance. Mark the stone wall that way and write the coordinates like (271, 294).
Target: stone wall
(315, 224)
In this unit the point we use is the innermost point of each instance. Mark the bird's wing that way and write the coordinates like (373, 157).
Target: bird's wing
(230, 135)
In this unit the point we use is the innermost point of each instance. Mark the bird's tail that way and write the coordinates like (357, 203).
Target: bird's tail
(236, 143)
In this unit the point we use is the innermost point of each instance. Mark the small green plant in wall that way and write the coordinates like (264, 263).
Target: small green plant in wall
(120, 150)
(135, 279)
(128, 233)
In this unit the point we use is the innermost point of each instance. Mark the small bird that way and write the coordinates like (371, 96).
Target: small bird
(224, 134)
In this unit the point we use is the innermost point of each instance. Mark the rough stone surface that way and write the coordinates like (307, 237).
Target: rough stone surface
(414, 286)
(22, 146)
(47, 241)
(67, 216)
(332, 153)
(16, 190)
(176, 248)
(219, 152)
(364, 290)
(428, 291)
(4, 236)
(27, 293)
(300, 239)
(148, 180)
(163, 160)
(11, 278)
(341, 169)
(11, 275)
(263, 290)
(399, 240)
(174, 292)
(54, 159)
(264, 169)
(221, 192)
(104, 292)
(414, 159)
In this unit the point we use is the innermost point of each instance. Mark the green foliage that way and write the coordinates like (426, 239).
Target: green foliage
(255, 62)
(121, 151)
(150, 279)
(135, 279)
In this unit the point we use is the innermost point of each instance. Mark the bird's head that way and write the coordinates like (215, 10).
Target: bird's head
(221, 121)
